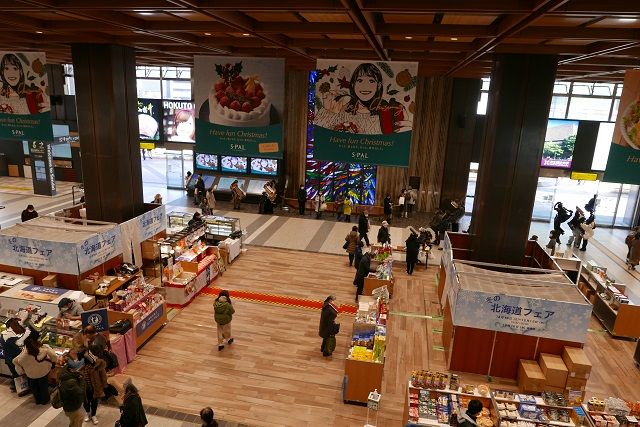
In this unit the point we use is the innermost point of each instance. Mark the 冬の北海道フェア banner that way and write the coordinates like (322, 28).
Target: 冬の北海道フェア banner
(364, 111)
(239, 106)
(623, 164)
(25, 111)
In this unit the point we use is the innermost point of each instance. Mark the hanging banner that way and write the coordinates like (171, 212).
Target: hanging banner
(239, 105)
(179, 121)
(25, 111)
(151, 223)
(98, 249)
(364, 111)
(53, 257)
(623, 164)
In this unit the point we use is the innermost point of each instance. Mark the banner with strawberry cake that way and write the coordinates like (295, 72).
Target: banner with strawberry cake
(364, 111)
(623, 164)
(24, 97)
(239, 106)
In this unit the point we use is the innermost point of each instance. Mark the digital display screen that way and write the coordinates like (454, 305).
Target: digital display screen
(264, 166)
(559, 142)
(178, 119)
(224, 182)
(207, 161)
(149, 118)
(256, 186)
(233, 164)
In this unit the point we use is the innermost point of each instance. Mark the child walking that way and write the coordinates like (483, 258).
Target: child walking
(223, 313)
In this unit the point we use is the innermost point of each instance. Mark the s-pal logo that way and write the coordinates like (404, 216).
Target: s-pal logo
(355, 155)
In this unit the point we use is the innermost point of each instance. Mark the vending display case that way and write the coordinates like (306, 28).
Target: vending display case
(178, 220)
(220, 227)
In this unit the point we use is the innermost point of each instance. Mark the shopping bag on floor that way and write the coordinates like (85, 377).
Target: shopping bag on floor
(330, 344)
(22, 385)
(422, 256)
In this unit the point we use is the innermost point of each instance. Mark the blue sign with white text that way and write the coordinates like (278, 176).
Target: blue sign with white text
(96, 318)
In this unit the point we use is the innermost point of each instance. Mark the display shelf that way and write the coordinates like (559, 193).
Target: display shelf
(138, 301)
(539, 402)
(220, 227)
(145, 327)
(116, 284)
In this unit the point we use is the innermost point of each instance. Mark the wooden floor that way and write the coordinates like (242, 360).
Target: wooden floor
(274, 374)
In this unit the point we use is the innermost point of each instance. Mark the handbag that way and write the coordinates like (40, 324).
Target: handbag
(111, 359)
(330, 344)
(22, 385)
(346, 245)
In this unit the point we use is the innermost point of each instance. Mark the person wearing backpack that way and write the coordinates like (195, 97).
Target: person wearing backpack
(223, 314)
(71, 391)
(328, 326)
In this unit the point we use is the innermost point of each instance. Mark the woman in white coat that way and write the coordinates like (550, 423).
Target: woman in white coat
(587, 231)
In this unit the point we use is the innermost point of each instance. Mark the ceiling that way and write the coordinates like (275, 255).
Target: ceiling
(596, 40)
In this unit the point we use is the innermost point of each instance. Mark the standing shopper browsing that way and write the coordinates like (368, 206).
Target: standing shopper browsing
(634, 251)
(95, 376)
(223, 316)
(12, 340)
(383, 233)
(364, 268)
(347, 208)
(328, 326)
(351, 242)
(131, 411)
(36, 361)
(388, 208)
(588, 226)
(412, 249)
(302, 199)
(72, 395)
(363, 226)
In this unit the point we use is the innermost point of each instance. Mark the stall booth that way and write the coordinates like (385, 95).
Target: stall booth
(501, 314)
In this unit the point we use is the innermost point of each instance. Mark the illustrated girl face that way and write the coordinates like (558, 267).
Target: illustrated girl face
(366, 83)
(185, 124)
(12, 72)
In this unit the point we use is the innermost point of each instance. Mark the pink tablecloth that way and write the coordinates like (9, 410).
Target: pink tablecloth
(118, 347)
(130, 345)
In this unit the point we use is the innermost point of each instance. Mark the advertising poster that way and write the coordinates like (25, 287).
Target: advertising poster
(149, 118)
(98, 249)
(364, 111)
(179, 121)
(239, 106)
(207, 161)
(624, 156)
(25, 110)
(559, 142)
(524, 316)
(42, 172)
(55, 257)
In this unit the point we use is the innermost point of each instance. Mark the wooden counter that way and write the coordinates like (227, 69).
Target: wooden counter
(370, 284)
(146, 326)
(360, 379)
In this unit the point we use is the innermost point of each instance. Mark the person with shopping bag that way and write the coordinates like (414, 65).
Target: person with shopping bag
(328, 326)
(36, 361)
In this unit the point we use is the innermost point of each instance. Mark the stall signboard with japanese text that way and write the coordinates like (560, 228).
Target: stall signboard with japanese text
(96, 318)
(239, 106)
(524, 316)
(623, 164)
(25, 109)
(98, 249)
(152, 222)
(364, 111)
(149, 320)
(54, 257)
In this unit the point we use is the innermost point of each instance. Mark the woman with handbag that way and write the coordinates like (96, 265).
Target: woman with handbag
(131, 411)
(95, 376)
(36, 361)
(351, 243)
(328, 326)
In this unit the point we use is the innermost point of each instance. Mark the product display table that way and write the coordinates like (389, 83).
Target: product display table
(182, 289)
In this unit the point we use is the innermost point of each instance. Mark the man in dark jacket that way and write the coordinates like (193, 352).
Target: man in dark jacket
(328, 326)
(363, 226)
(29, 213)
(302, 199)
(364, 268)
(388, 208)
(412, 249)
(200, 192)
(383, 234)
(72, 394)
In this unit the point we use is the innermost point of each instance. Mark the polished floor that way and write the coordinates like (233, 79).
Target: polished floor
(274, 374)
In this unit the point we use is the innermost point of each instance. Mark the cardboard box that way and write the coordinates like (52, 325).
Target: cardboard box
(51, 281)
(576, 383)
(89, 287)
(577, 362)
(554, 370)
(89, 303)
(530, 376)
(224, 254)
(554, 389)
(152, 271)
(150, 250)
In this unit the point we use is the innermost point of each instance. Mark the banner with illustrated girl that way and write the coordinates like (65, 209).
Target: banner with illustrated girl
(364, 111)
(239, 106)
(623, 164)
(24, 97)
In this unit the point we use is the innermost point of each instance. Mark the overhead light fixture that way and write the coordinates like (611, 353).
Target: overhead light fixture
(246, 34)
(408, 37)
(454, 39)
(207, 34)
(145, 13)
(38, 32)
(627, 20)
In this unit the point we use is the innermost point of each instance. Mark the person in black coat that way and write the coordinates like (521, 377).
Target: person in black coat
(363, 226)
(29, 213)
(132, 411)
(328, 326)
(412, 249)
(200, 192)
(302, 199)
(364, 268)
(357, 256)
(388, 208)
(383, 234)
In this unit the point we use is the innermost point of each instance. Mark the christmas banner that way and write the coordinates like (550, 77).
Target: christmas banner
(624, 157)
(364, 111)
(239, 106)
(25, 111)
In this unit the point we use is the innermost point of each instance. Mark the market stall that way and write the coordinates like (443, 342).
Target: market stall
(383, 276)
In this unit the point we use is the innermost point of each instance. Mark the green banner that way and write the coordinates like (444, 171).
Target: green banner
(390, 150)
(263, 141)
(625, 165)
(26, 127)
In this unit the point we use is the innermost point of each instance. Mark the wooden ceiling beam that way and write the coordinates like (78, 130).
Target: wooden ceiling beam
(334, 43)
(417, 46)
(438, 6)
(435, 30)
(306, 28)
(366, 25)
(273, 5)
(621, 34)
(601, 51)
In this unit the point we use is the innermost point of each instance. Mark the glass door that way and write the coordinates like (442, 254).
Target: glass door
(175, 171)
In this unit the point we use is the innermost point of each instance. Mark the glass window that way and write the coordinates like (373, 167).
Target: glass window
(148, 88)
(627, 205)
(68, 69)
(614, 111)
(581, 89)
(482, 104)
(558, 108)
(603, 144)
(603, 89)
(69, 85)
(485, 84)
(176, 89)
(619, 89)
(148, 72)
(561, 88)
(545, 195)
(471, 187)
(582, 108)
(608, 193)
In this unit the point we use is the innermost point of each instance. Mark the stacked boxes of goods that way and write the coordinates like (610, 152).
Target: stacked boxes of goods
(555, 372)
(579, 369)
(530, 376)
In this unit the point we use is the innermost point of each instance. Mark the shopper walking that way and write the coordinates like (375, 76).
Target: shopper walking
(351, 242)
(223, 314)
(384, 236)
(11, 341)
(634, 251)
(200, 191)
(302, 200)
(319, 205)
(588, 226)
(402, 203)
(347, 208)
(72, 394)
(339, 204)
(629, 240)
(388, 208)
(412, 248)
(187, 178)
(553, 241)
(364, 268)
(35, 361)
(29, 213)
(132, 411)
(576, 229)
(207, 417)
(211, 200)
(412, 196)
(363, 226)
(328, 326)
(468, 418)
(95, 377)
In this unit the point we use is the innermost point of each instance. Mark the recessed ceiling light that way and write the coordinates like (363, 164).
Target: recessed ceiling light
(207, 34)
(38, 32)
(408, 37)
(146, 13)
(246, 34)
(454, 39)
(627, 20)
